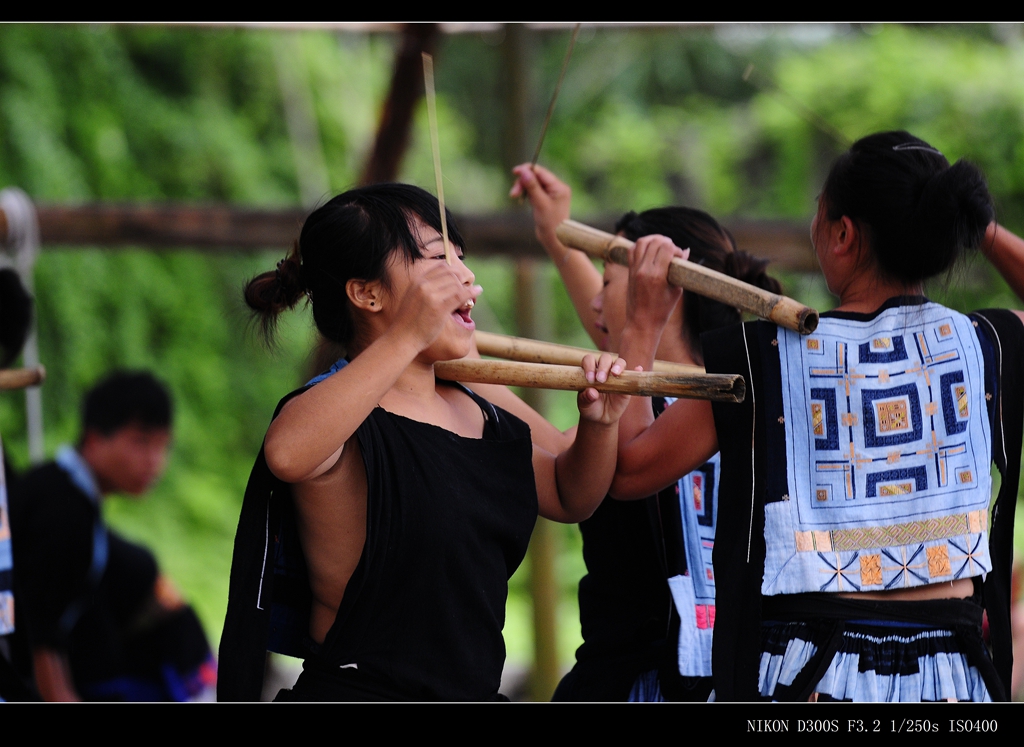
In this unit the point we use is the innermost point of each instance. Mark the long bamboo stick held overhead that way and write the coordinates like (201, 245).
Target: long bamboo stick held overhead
(554, 96)
(693, 277)
(428, 84)
(535, 351)
(717, 387)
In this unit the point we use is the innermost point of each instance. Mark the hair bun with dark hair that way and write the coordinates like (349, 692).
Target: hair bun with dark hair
(622, 224)
(921, 214)
(952, 214)
(751, 270)
(270, 293)
(350, 237)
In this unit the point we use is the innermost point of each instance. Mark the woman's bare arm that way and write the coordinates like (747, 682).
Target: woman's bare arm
(1005, 250)
(653, 453)
(571, 485)
(308, 435)
(550, 199)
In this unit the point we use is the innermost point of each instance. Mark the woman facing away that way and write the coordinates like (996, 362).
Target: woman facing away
(641, 555)
(856, 550)
(388, 508)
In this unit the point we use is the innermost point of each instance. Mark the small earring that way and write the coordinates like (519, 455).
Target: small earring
(371, 303)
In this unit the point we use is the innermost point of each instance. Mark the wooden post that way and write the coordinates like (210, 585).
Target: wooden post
(515, 71)
(544, 542)
(396, 117)
(392, 139)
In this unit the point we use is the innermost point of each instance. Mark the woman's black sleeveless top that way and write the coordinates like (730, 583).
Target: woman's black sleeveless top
(448, 522)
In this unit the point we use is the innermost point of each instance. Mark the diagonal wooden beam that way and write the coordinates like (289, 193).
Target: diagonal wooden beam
(392, 138)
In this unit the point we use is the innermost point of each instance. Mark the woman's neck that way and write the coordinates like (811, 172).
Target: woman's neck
(417, 395)
(674, 345)
(674, 348)
(867, 292)
(416, 387)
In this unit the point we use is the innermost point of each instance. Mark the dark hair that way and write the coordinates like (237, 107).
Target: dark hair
(921, 214)
(15, 315)
(710, 245)
(350, 237)
(125, 398)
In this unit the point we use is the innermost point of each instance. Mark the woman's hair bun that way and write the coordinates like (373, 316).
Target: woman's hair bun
(270, 293)
(751, 270)
(350, 237)
(921, 214)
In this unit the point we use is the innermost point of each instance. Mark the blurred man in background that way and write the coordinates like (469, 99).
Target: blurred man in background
(103, 623)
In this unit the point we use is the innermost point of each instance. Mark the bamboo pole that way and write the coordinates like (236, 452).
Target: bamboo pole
(435, 147)
(692, 277)
(20, 378)
(717, 387)
(536, 351)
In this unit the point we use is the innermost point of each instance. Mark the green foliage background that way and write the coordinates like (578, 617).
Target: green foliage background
(646, 117)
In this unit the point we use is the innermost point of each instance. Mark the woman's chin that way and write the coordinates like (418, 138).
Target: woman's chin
(455, 343)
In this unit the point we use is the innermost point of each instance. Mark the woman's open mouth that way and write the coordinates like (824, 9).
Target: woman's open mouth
(462, 316)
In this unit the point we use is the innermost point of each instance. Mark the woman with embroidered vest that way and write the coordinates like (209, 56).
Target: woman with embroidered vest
(647, 603)
(855, 551)
(412, 499)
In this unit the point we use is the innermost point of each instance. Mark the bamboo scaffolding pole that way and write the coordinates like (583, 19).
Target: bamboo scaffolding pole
(716, 387)
(435, 147)
(536, 351)
(20, 378)
(692, 277)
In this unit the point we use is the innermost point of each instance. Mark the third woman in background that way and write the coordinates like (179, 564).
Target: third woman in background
(647, 603)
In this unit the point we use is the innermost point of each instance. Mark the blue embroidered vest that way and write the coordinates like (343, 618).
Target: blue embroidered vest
(694, 593)
(888, 447)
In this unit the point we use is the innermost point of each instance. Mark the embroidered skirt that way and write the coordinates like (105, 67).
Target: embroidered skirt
(874, 651)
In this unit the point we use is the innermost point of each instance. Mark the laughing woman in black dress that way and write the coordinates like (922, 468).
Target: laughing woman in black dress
(412, 499)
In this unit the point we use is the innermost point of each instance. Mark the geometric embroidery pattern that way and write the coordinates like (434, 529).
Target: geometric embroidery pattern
(897, 482)
(883, 350)
(892, 416)
(938, 561)
(697, 493)
(954, 402)
(824, 419)
(866, 538)
(6, 611)
(843, 575)
(968, 554)
(871, 570)
(698, 509)
(908, 567)
(888, 447)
